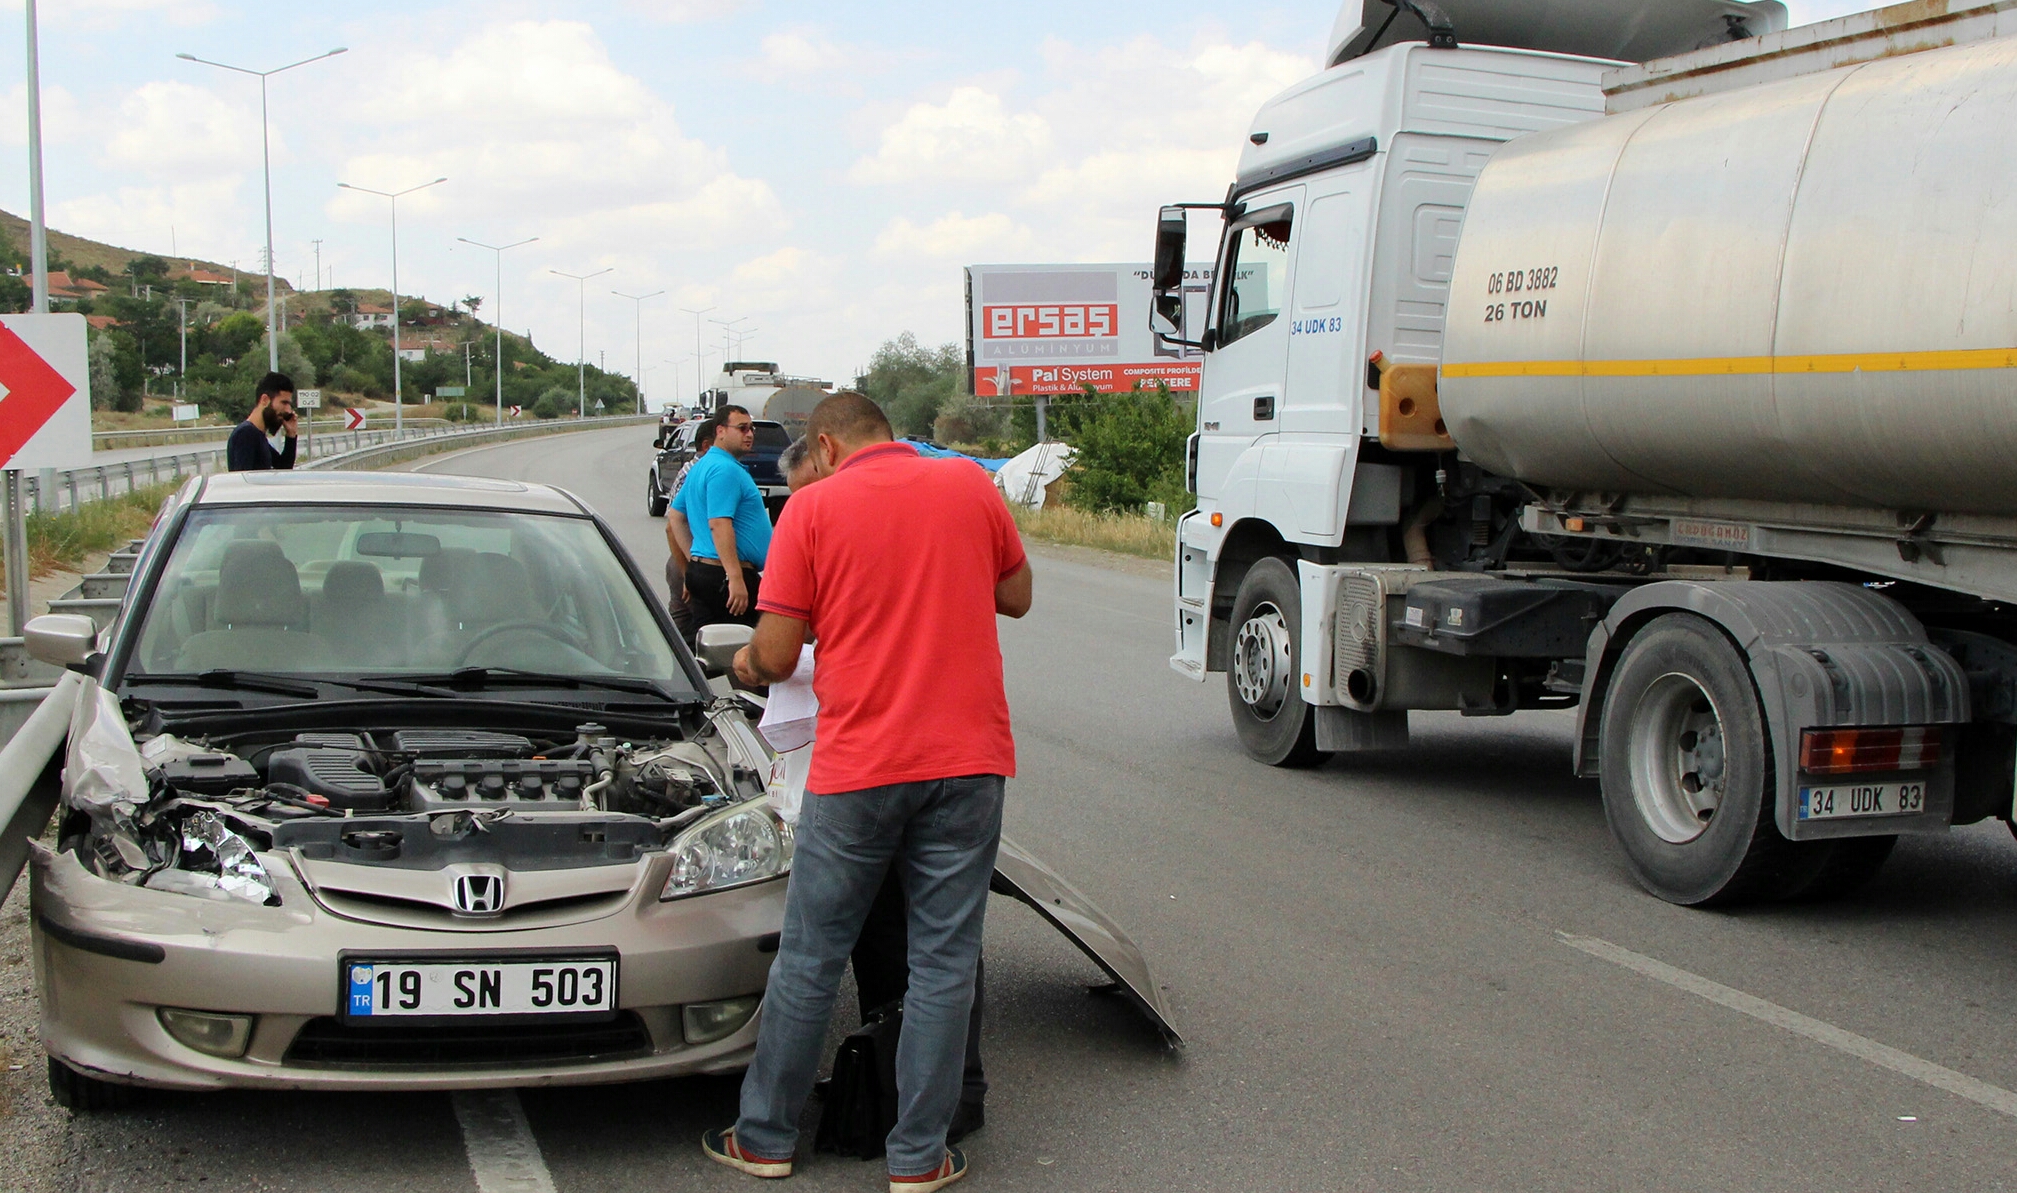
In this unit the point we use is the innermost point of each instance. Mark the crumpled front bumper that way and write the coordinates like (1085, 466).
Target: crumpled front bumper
(108, 956)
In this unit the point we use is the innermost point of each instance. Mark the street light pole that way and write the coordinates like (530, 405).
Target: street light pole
(497, 316)
(637, 336)
(581, 335)
(699, 355)
(266, 164)
(398, 393)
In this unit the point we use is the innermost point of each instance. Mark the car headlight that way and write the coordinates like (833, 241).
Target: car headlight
(215, 863)
(733, 847)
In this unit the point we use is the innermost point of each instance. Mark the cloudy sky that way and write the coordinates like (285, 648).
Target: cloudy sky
(821, 177)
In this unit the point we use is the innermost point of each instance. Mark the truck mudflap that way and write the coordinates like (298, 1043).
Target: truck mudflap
(1823, 655)
(1094, 933)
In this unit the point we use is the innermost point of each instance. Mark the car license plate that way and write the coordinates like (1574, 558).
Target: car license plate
(459, 987)
(1862, 799)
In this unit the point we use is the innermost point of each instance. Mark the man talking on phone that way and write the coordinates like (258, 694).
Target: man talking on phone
(266, 438)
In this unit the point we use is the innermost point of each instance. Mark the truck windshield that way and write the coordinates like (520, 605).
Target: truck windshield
(343, 590)
(1257, 268)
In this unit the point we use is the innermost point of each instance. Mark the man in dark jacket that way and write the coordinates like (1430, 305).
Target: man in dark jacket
(250, 448)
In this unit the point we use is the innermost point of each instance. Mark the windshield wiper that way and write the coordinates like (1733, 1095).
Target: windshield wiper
(283, 685)
(482, 677)
(249, 681)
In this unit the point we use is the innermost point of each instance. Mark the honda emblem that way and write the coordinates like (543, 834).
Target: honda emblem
(479, 894)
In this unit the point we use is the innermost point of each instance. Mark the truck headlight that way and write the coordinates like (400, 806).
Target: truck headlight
(733, 847)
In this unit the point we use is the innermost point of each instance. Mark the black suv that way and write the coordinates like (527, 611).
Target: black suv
(761, 462)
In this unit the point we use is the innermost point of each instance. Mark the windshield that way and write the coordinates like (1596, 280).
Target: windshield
(348, 590)
(772, 435)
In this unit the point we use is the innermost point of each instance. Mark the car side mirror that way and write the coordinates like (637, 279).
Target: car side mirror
(717, 644)
(61, 639)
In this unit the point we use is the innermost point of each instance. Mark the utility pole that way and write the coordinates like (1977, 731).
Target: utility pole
(699, 355)
(398, 394)
(318, 265)
(466, 381)
(38, 271)
(637, 337)
(581, 335)
(182, 305)
(266, 158)
(497, 315)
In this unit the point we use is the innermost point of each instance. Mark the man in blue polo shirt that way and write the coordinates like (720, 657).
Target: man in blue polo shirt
(731, 529)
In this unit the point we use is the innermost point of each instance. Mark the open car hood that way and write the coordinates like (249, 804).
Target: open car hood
(1085, 925)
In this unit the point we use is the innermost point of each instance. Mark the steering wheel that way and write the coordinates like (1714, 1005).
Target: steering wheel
(559, 633)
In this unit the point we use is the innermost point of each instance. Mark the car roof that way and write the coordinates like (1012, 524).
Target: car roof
(288, 487)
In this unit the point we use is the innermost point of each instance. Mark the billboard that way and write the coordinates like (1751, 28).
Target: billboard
(1053, 329)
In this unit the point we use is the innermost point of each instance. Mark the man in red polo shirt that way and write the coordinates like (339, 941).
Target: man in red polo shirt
(899, 565)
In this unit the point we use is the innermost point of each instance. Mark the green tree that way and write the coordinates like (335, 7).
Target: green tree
(15, 294)
(235, 335)
(555, 403)
(912, 382)
(1130, 451)
(103, 358)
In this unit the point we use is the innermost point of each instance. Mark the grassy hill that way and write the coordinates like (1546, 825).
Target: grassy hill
(86, 253)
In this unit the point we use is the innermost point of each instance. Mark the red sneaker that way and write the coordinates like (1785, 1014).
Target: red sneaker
(721, 1147)
(949, 1170)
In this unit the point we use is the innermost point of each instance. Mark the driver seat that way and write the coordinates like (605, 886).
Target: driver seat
(495, 589)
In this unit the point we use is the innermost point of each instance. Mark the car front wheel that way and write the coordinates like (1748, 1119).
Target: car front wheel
(654, 497)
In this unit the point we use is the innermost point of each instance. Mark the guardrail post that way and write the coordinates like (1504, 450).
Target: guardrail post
(71, 476)
(104, 483)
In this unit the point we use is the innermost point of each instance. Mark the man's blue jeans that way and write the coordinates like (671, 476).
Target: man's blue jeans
(942, 836)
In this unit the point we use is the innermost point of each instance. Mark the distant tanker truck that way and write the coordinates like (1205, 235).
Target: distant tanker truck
(1680, 390)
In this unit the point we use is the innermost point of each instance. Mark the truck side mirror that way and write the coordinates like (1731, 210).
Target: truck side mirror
(1172, 229)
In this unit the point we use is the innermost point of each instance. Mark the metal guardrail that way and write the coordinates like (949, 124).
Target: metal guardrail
(51, 490)
(157, 436)
(390, 453)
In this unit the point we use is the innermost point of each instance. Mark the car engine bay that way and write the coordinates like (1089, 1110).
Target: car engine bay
(406, 798)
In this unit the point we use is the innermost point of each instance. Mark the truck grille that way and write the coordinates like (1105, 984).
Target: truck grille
(328, 1042)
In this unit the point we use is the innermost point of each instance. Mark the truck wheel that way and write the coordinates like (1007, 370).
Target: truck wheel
(1262, 680)
(654, 498)
(75, 1092)
(1687, 773)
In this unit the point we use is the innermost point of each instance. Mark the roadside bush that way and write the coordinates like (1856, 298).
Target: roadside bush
(555, 403)
(1130, 452)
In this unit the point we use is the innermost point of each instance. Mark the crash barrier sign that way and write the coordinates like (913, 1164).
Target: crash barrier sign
(45, 418)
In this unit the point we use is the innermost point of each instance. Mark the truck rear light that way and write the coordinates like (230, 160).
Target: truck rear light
(1855, 751)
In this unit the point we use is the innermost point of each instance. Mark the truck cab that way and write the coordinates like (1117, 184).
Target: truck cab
(1337, 242)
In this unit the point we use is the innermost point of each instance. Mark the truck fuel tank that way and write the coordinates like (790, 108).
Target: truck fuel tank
(1800, 291)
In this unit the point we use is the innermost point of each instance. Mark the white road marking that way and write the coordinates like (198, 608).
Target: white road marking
(502, 1152)
(1882, 1055)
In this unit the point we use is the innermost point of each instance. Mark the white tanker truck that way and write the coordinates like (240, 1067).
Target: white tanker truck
(1649, 358)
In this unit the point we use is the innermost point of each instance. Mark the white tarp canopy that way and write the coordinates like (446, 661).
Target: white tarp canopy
(1023, 479)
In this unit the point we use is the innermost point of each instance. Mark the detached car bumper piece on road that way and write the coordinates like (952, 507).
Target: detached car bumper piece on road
(401, 781)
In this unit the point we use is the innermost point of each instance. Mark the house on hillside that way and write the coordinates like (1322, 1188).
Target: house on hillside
(370, 315)
(102, 322)
(64, 288)
(202, 277)
(417, 351)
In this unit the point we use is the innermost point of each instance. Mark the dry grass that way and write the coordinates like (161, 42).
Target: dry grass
(1127, 534)
(63, 540)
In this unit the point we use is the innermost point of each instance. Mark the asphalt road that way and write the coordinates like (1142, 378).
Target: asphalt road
(1426, 970)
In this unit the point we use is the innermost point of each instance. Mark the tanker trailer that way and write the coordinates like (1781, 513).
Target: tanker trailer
(1702, 424)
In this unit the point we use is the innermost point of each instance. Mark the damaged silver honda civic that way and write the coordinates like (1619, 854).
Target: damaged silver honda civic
(391, 781)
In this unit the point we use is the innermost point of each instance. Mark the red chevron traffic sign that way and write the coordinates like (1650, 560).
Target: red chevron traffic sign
(353, 419)
(45, 392)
